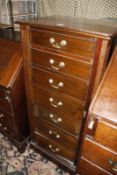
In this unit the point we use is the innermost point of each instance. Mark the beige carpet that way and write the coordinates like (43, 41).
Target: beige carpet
(28, 163)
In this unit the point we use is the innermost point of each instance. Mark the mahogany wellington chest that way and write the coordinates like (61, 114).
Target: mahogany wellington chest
(99, 150)
(13, 108)
(64, 59)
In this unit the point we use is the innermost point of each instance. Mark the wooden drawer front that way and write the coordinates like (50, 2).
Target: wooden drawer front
(55, 134)
(73, 45)
(5, 105)
(106, 135)
(86, 167)
(98, 155)
(61, 120)
(70, 86)
(58, 101)
(59, 63)
(6, 123)
(53, 147)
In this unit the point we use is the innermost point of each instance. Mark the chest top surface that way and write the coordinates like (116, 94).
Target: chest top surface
(103, 27)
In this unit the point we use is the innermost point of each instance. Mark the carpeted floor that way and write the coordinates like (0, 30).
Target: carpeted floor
(28, 163)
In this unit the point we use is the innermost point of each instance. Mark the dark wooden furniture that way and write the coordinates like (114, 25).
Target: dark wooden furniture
(99, 150)
(10, 34)
(6, 26)
(13, 109)
(64, 59)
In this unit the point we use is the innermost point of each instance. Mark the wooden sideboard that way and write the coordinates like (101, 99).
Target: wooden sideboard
(64, 60)
(13, 108)
(99, 149)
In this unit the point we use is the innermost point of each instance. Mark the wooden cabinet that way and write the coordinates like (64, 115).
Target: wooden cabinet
(100, 141)
(13, 109)
(63, 66)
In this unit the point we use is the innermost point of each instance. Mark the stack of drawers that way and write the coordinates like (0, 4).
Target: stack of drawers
(99, 151)
(59, 85)
(60, 73)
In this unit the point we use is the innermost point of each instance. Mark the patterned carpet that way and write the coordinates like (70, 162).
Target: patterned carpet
(28, 163)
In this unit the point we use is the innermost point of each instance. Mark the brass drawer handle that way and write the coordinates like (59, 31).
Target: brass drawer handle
(113, 165)
(52, 62)
(54, 150)
(1, 116)
(60, 84)
(63, 43)
(54, 133)
(60, 103)
(58, 120)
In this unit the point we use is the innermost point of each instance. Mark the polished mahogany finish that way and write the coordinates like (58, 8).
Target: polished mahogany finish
(13, 107)
(72, 67)
(51, 100)
(56, 134)
(88, 168)
(53, 39)
(63, 67)
(71, 86)
(53, 147)
(58, 118)
(100, 139)
(95, 153)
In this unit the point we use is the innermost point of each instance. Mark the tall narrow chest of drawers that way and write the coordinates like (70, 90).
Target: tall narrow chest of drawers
(64, 59)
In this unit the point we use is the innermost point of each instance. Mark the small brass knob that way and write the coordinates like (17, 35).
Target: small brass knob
(59, 120)
(5, 128)
(52, 40)
(50, 146)
(62, 64)
(61, 84)
(8, 92)
(60, 103)
(1, 115)
(6, 98)
(51, 81)
(51, 115)
(51, 61)
(51, 99)
(63, 43)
